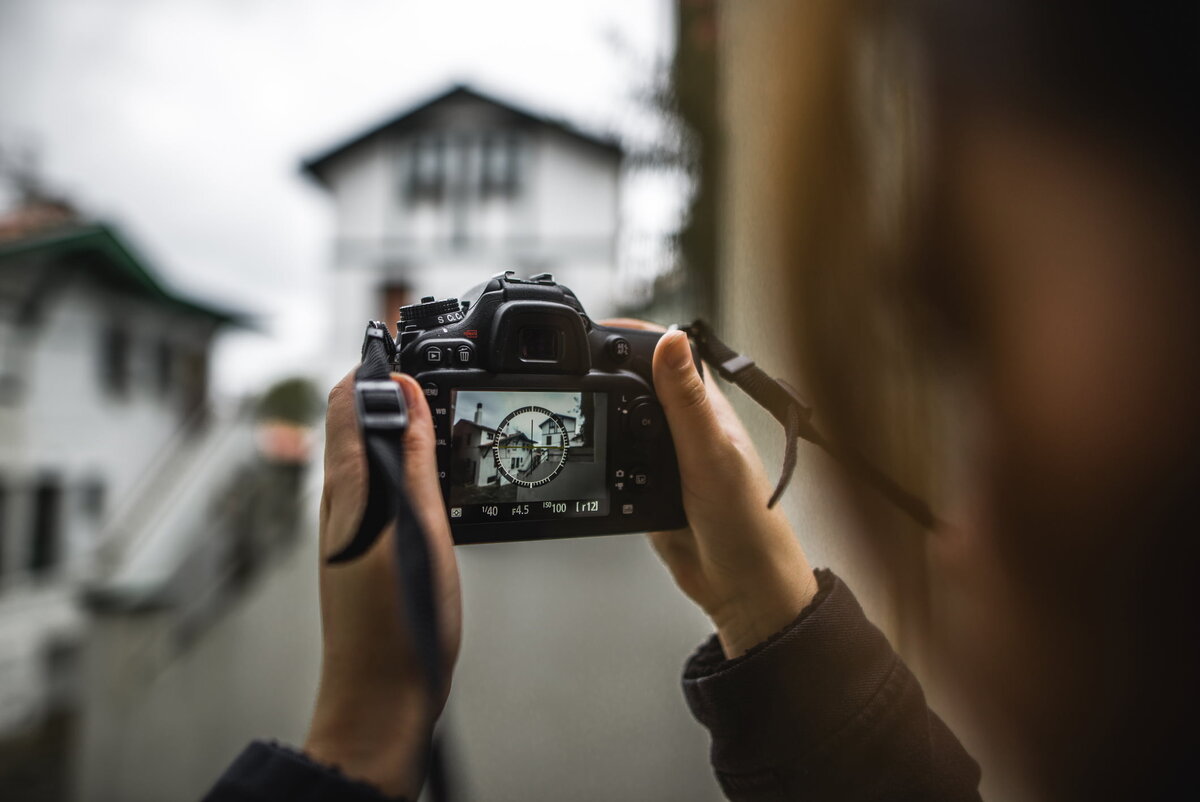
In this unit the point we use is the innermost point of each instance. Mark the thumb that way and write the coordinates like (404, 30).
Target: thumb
(695, 428)
(419, 438)
(420, 456)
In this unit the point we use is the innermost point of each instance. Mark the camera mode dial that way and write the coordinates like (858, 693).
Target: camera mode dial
(430, 314)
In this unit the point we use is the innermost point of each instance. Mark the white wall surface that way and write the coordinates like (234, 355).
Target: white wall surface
(563, 219)
(73, 424)
(67, 427)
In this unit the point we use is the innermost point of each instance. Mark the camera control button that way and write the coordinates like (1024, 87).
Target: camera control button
(465, 354)
(431, 390)
(639, 479)
(433, 355)
(645, 420)
(619, 349)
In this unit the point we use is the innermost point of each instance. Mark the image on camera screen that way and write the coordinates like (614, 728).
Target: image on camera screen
(534, 454)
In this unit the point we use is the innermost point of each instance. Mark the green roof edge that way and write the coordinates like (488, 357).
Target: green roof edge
(102, 238)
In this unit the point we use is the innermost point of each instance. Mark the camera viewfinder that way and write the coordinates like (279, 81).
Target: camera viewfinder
(540, 344)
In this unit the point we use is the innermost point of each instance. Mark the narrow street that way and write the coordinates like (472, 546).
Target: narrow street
(567, 688)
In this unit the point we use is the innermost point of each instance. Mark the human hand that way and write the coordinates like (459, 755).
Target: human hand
(739, 561)
(373, 717)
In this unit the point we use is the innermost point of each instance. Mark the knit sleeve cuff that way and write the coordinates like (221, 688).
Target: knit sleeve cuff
(267, 772)
(791, 692)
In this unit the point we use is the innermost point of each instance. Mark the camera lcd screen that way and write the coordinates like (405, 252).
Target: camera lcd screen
(527, 455)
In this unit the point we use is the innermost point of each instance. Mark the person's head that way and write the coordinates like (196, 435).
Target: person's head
(1015, 328)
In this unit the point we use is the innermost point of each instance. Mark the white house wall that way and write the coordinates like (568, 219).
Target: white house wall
(575, 184)
(74, 422)
(563, 219)
(72, 429)
(64, 426)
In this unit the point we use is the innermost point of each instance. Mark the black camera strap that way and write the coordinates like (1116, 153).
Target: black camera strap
(383, 421)
(785, 405)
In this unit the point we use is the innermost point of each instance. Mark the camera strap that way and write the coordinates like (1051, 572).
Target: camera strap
(785, 405)
(383, 421)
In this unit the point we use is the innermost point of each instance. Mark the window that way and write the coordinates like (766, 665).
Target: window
(164, 357)
(500, 163)
(3, 527)
(427, 169)
(47, 509)
(114, 360)
(193, 386)
(91, 498)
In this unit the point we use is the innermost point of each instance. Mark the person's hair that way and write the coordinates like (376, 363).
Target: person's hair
(888, 334)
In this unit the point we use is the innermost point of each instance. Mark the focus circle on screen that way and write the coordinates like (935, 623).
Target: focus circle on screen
(530, 446)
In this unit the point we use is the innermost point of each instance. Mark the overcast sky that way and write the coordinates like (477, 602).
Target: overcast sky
(183, 121)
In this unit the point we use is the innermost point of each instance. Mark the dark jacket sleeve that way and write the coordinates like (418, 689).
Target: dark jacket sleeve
(824, 710)
(267, 772)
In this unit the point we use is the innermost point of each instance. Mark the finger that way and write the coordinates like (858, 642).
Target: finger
(419, 439)
(341, 425)
(425, 489)
(631, 323)
(699, 439)
(420, 457)
(344, 494)
(730, 421)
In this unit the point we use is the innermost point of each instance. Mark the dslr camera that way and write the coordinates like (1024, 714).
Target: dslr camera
(547, 423)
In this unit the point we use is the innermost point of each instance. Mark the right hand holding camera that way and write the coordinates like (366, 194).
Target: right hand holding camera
(737, 559)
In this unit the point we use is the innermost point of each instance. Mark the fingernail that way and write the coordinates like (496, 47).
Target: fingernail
(410, 392)
(672, 327)
(679, 353)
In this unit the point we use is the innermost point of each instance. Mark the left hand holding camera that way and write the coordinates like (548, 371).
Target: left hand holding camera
(372, 717)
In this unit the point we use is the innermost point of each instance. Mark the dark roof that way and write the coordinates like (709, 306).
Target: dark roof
(97, 248)
(465, 422)
(316, 165)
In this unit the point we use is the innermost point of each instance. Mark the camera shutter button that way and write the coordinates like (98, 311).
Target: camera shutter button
(645, 420)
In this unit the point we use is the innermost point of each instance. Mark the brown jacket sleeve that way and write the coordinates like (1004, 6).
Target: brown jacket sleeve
(824, 710)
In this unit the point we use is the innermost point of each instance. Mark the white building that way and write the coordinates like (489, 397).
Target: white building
(446, 194)
(103, 371)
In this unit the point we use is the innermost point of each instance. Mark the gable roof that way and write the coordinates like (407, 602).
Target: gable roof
(472, 424)
(547, 424)
(97, 248)
(315, 166)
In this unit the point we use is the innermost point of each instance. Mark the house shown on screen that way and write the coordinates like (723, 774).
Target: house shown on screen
(518, 454)
(549, 430)
(474, 456)
(462, 186)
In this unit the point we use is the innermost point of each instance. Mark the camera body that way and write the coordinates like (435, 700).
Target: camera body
(547, 424)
